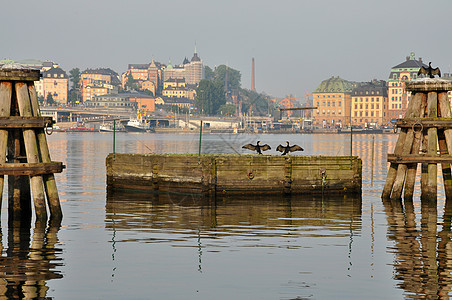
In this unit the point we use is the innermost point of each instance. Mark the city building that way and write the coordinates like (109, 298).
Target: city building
(397, 95)
(332, 99)
(96, 82)
(192, 71)
(147, 76)
(54, 82)
(124, 101)
(177, 88)
(369, 104)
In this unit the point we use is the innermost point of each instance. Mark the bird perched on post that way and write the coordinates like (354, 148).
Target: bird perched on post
(429, 71)
(286, 149)
(257, 147)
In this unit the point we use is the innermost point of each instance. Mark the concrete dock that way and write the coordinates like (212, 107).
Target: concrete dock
(234, 174)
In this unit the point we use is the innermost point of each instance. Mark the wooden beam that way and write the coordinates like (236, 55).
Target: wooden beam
(419, 158)
(31, 169)
(425, 123)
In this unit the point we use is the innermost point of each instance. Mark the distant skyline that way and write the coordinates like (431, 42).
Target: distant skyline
(296, 44)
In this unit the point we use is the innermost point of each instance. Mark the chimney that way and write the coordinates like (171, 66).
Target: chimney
(420, 59)
(253, 87)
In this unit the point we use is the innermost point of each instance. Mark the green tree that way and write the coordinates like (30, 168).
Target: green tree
(209, 97)
(234, 77)
(74, 77)
(131, 83)
(227, 110)
(41, 99)
(50, 100)
(209, 74)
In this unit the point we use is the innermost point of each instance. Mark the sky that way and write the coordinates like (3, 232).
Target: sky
(296, 44)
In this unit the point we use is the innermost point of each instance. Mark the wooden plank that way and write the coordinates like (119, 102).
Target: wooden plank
(19, 122)
(419, 158)
(425, 123)
(31, 169)
(19, 75)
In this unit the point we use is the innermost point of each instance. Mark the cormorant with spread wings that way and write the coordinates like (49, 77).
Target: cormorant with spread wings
(287, 149)
(257, 147)
(429, 71)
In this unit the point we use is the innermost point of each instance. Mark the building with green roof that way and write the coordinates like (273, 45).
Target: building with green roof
(332, 99)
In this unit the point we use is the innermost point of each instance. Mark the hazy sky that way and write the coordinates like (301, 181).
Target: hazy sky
(296, 43)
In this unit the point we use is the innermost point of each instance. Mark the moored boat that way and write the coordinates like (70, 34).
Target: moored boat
(138, 125)
(108, 127)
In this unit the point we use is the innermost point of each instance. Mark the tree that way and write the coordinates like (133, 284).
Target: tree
(209, 97)
(227, 110)
(209, 74)
(131, 83)
(234, 77)
(74, 77)
(50, 100)
(41, 100)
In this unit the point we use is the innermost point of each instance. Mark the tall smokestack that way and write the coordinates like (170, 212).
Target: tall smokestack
(253, 87)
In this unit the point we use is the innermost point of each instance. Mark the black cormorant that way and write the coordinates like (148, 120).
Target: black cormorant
(257, 147)
(286, 149)
(429, 71)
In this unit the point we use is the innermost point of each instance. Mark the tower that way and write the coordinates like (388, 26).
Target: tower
(253, 87)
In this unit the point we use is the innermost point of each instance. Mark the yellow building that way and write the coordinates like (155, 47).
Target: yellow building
(55, 82)
(369, 104)
(397, 95)
(98, 82)
(332, 99)
(177, 88)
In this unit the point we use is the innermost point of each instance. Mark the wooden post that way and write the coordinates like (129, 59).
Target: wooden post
(22, 137)
(428, 121)
(31, 148)
(412, 168)
(413, 112)
(5, 110)
(432, 112)
(49, 179)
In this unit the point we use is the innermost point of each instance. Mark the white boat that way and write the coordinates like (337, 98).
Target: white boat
(138, 125)
(108, 127)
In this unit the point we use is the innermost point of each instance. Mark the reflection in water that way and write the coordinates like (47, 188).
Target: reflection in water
(229, 224)
(423, 264)
(29, 260)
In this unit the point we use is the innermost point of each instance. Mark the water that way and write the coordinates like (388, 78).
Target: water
(140, 246)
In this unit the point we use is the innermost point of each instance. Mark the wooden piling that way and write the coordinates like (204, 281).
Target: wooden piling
(428, 118)
(5, 109)
(22, 136)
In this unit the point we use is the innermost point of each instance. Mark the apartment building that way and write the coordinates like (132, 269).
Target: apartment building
(369, 103)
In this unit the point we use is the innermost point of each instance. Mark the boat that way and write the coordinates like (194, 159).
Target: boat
(108, 127)
(80, 128)
(138, 125)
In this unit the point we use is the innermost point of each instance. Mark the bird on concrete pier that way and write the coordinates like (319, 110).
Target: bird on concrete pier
(429, 71)
(287, 149)
(257, 147)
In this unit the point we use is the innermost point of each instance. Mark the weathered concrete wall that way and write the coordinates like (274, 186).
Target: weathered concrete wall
(229, 174)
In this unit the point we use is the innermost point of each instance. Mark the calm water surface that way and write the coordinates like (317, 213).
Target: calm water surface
(140, 246)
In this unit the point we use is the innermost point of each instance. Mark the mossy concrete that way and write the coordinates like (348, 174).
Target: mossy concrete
(230, 174)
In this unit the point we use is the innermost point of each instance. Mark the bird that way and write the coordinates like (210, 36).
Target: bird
(286, 149)
(429, 71)
(257, 147)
